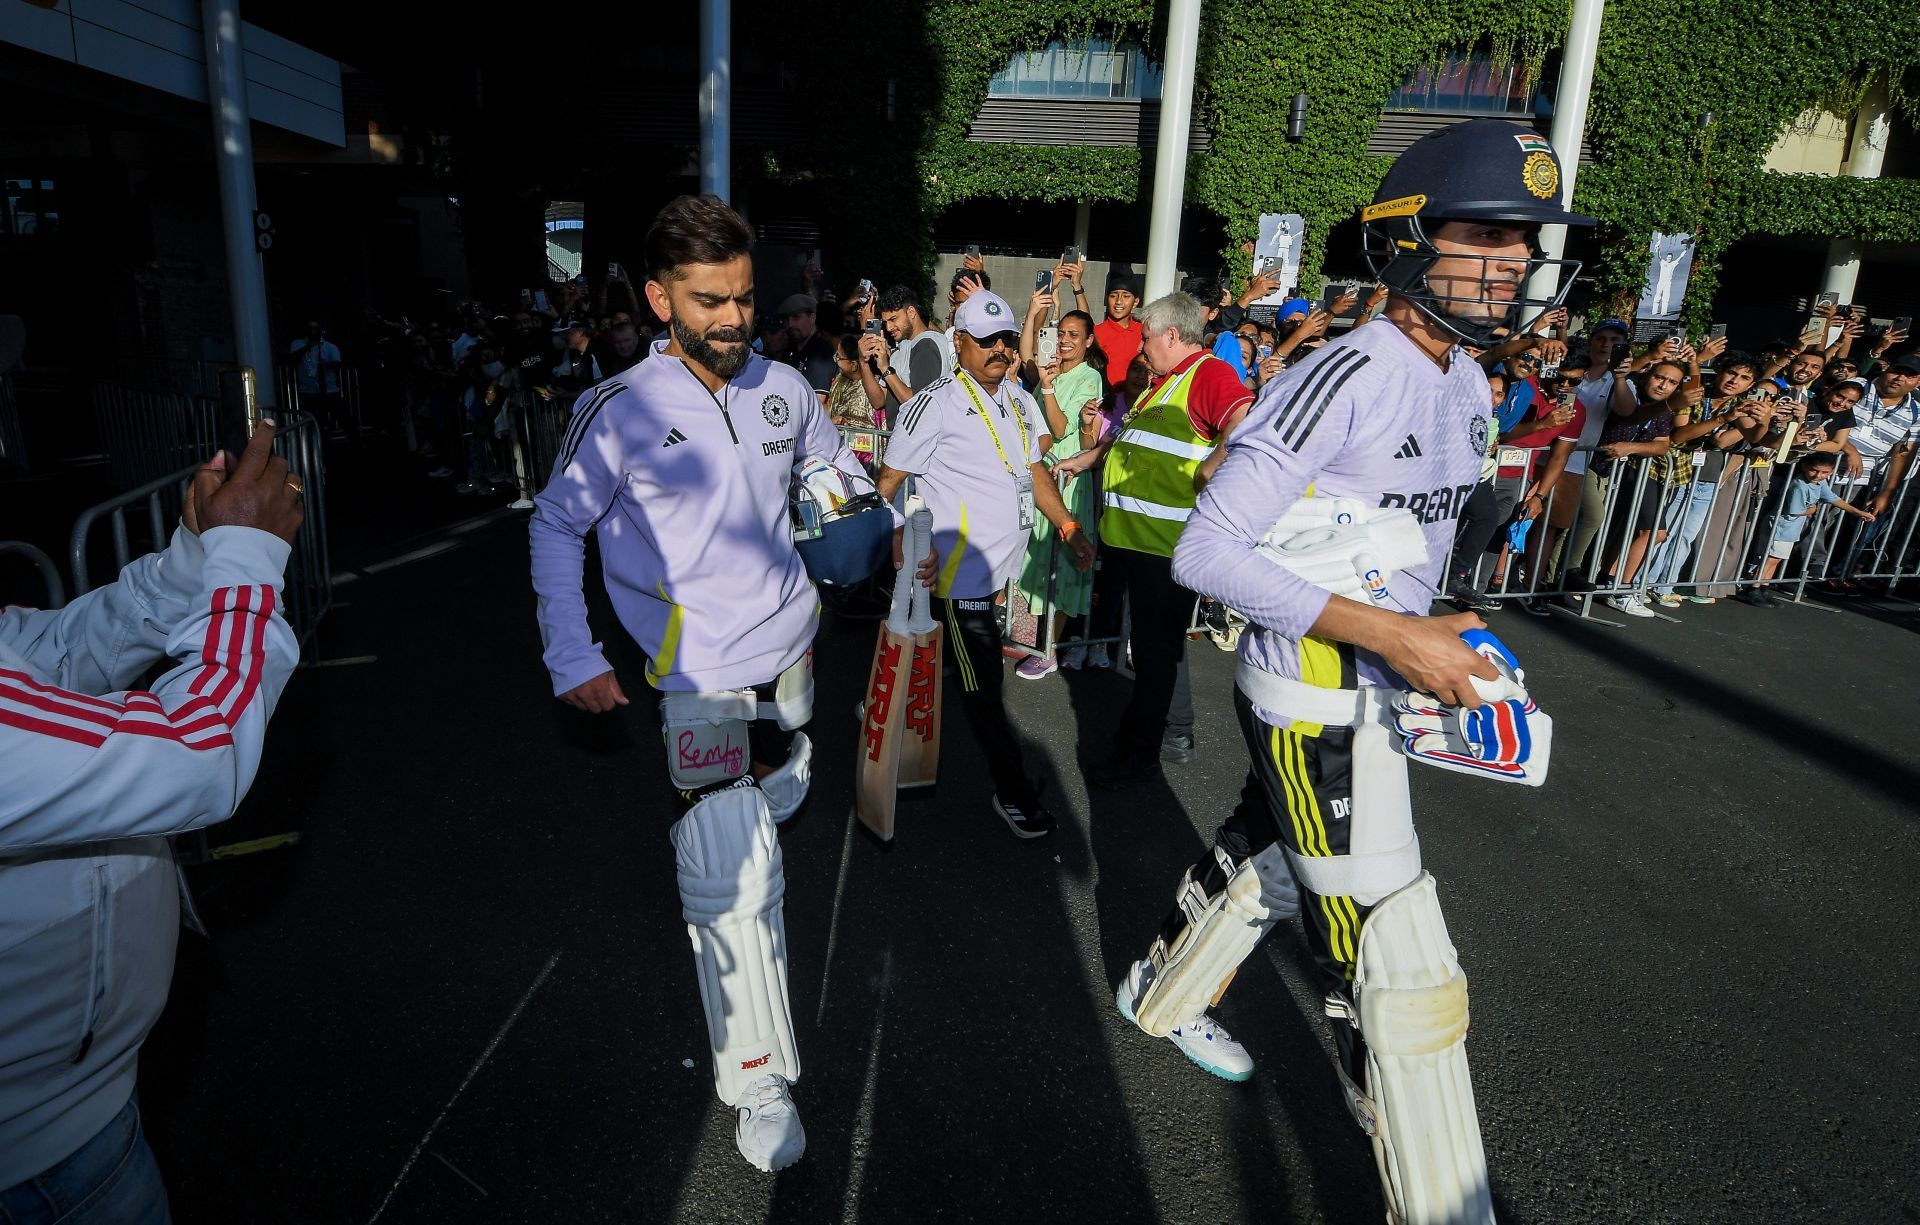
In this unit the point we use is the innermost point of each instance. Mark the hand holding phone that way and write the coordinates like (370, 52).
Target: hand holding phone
(1043, 280)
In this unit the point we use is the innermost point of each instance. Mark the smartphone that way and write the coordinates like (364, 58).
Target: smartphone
(973, 250)
(1719, 332)
(1268, 263)
(526, 297)
(1827, 298)
(866, 289)
(1903, 324)
(238, 412)
(876, 327)
(613, 270)
(1263, 352)
(540, 300)
(1046, 349)
(1043, 280)
(1072, 256)
(1550, 372)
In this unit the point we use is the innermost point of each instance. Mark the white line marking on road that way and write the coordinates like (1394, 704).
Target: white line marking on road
(471, 1073)
(459, 1173)
(861, 1142)
(833, 924)
(447, 540)
(345, 661)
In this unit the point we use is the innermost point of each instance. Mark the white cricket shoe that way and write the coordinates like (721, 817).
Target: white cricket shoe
(767, 1125)
(1200, 1037)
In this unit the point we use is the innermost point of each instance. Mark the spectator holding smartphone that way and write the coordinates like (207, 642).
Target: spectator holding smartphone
(905, 356)
(1705, 435)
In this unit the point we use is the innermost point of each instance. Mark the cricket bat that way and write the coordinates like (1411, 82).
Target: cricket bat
(877, 771)
(920, 748)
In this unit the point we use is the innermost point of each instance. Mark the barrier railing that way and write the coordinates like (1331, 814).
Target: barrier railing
(150, 433)
(308, 592)
(49, 573)
(13, 442)
(1653, 534)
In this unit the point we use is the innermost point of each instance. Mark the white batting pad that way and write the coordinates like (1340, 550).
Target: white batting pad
(731, 889)
(1411, 996)
(1221, 930)
(786, 788)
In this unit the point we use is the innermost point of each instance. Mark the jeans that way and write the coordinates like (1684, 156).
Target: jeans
(1681, 518)
(112, 1180)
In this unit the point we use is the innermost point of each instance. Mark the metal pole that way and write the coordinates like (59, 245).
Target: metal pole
(1569, 125)
(1170, 157)
(233, 159)
(716, 96)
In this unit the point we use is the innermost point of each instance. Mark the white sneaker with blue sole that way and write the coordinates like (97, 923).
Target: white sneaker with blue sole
(1200, 1037)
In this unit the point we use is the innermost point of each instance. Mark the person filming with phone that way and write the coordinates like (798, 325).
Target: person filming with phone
(900, 354)
(96, 773)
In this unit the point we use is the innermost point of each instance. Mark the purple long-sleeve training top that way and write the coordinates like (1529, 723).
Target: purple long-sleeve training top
(687, 494)
(1369, 417)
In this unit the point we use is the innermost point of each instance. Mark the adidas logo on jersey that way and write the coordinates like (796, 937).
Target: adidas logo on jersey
(673, 436)
(1410, 449)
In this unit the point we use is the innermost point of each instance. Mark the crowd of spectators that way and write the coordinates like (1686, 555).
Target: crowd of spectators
(1645, 475)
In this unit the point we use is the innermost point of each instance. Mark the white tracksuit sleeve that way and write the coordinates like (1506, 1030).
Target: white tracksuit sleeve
(87, 760)
(587, 477)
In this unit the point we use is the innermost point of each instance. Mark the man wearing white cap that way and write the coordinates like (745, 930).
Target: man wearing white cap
(969, 443)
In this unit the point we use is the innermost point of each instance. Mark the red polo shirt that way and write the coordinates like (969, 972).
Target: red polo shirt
(1121, 343)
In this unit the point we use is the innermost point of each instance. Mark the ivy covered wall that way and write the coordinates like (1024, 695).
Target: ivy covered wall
(1754, 64)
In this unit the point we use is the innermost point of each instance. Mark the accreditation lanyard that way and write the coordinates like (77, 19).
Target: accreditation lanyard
(1022, 477)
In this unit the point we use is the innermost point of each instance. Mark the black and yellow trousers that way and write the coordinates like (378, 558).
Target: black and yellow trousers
(1299, 792)
(973, 658)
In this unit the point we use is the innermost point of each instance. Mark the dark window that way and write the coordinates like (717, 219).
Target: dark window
(33, 210)
(1471, 83)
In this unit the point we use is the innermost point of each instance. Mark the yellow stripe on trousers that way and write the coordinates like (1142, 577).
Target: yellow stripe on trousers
(968, 680)
(1310, 834)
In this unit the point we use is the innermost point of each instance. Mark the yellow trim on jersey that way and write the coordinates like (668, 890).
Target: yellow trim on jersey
(950, 569)
(1319, 666)
(660, 662)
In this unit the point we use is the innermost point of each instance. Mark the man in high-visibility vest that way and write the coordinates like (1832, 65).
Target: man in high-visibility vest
(1169, 444)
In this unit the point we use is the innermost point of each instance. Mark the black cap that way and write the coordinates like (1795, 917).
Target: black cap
(1910, 363)
(1480, 170)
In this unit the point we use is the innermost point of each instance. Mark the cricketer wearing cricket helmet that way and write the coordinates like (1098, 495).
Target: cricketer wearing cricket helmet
(1328, 525)
(682, 467)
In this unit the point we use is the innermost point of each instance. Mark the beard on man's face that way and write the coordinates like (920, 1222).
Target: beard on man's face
(699, 346)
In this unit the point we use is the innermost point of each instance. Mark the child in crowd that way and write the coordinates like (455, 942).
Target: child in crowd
(1805, 496)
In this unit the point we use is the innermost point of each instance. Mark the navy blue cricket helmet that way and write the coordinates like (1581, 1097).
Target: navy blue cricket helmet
(1480, 170)
(842, 536)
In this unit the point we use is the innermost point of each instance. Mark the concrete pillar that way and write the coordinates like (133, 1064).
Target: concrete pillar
(716, 96)
(1569, 125)
(1864, 159)
(1170, 158)
(1082, 224)
(233, 161)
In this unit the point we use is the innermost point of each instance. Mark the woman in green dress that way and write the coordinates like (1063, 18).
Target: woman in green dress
(1071, 391)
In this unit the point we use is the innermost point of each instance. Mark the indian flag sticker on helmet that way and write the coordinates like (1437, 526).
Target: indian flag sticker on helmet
(1533, 142)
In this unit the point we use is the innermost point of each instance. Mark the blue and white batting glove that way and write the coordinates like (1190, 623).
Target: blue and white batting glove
(1507, 737)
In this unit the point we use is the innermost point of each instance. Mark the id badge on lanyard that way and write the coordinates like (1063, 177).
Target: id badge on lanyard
(1023, 489)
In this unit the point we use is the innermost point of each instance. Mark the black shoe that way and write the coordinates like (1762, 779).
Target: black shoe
(1034, 822)
(1759, 597)
(1536, 606)
(1468, 598)
(1124, 772)
(1177, 747)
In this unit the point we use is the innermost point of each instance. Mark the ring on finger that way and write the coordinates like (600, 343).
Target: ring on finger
(293, 483)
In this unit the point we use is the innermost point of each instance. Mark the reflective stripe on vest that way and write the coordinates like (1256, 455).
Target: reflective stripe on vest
(1149, 474)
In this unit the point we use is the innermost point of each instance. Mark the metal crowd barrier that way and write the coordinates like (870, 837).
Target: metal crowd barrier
(1725, 550)
(1727, 546)
(13, 442)
(49, 573)
(309, 581)
(148, 434)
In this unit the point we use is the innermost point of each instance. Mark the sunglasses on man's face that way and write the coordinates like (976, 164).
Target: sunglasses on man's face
(1009, 340)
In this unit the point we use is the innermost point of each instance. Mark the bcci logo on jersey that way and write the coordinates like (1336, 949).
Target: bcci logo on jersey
(1477, 435)
(775, 410)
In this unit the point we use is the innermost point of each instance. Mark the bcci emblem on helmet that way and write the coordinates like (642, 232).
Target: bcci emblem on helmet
(774, 409)
(1541, 175)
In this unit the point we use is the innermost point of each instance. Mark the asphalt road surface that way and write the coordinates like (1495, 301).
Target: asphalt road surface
(465, 994)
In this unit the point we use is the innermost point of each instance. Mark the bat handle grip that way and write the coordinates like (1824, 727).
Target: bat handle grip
(919, 539)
